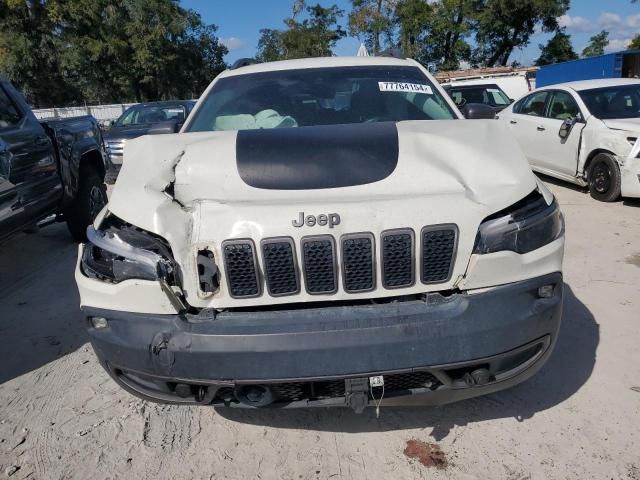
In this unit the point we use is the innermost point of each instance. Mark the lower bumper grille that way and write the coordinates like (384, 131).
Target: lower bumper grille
(323, 389)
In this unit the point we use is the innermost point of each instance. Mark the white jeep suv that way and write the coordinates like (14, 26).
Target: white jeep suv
(324, 232)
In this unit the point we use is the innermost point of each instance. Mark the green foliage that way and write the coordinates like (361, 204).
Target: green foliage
(635, 43)
(99, 51)
(597, 44)
(315, 36)
(558, 49)
(372, 21)
(436, 31)
(504, 25)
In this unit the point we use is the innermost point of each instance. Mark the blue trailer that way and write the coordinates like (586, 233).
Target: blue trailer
(624, 64)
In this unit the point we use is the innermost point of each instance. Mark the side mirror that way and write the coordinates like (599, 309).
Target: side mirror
(112, 123)
(565, 128)
(478, 111)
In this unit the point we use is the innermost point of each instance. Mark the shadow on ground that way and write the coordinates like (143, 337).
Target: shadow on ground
(40, 319)
(568, 368)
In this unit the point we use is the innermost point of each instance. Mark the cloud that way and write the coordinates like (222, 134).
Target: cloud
(617, 44)
(618, 25)
(232, 43)
(577, 23)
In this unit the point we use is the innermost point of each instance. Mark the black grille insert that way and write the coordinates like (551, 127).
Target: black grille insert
(397, 258)
(358, 266)
(280, 268)
(241, 268)
(319, 264)
(324, 389)
(438, 251)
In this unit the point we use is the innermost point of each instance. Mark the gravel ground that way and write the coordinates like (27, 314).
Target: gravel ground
(579, 418)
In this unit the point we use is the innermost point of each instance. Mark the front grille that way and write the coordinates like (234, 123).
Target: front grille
(319, 264)
(280, 269)
(438, 249)
(397, 258)
(115, 148)
(241, 268)
(358, 266)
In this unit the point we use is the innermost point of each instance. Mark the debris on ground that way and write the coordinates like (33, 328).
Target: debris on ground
(428, 454)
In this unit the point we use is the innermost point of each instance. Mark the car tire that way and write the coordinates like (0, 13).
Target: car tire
(604, 178)
(90, 199)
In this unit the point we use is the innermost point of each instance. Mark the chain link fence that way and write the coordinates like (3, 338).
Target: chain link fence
(102, 113)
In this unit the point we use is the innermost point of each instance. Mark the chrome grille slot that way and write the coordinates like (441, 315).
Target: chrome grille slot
(439, 244)
(398, 258)
(280, 267)
(319, 264)
(241, 268)
(358, 265)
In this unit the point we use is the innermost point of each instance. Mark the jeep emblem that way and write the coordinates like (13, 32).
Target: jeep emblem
(331, 219)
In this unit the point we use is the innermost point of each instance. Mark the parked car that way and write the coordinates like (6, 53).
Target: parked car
(514, 85)
(145, 119)
(583, 132)
(48, 168)
(486, 93)
(323, 232)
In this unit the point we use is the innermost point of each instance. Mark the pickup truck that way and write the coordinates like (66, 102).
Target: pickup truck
(324, 232)
(144, 119)
(583, 132)
(48, 168)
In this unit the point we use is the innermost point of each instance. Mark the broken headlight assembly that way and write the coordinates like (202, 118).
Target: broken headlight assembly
(118, 251)
(525, 226)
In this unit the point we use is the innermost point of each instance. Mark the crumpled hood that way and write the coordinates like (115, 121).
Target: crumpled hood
(630, 124)
(192, 190)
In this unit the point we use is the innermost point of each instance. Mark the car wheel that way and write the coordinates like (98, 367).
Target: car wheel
(604, 178)
(90, 199)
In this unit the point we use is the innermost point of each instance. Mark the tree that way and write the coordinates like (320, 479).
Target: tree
(504, 25)
(413, 18)
(635, 43)
(372, 20)
(558, 49)
(597, 44)
(435, 31)
(98, 51)
(28, 52)
(315, 36)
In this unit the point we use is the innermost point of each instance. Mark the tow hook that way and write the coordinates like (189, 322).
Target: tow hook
(356, 393)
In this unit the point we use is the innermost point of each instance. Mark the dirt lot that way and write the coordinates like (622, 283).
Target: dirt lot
(579, 418)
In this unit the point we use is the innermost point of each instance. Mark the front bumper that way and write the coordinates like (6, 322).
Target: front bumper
(446, 348)
(630, 177)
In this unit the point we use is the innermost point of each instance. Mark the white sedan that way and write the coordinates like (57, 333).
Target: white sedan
(583, 132)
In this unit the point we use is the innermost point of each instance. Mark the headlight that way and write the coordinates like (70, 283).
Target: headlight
(118, 251)
(525, 226)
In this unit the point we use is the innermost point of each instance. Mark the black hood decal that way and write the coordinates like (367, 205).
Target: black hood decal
(328, 156)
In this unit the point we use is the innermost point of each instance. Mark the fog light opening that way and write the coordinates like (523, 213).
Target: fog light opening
(99, 322)
(545, 291)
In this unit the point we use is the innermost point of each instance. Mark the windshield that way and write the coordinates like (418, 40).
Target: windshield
(152, 114)
(327, 96)
(622, 101)
(487, 94)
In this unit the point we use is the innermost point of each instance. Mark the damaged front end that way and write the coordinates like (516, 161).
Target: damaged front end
(118, 251)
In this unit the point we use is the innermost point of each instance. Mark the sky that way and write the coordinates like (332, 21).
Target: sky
(239, 23)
